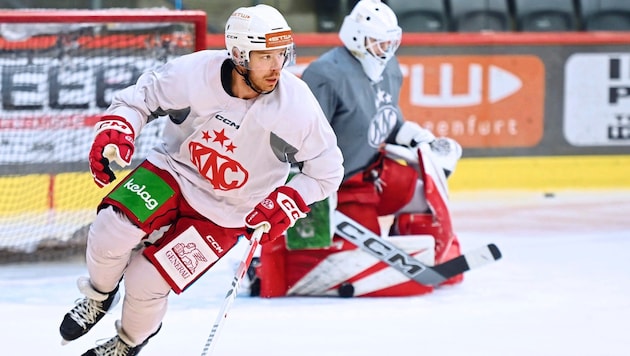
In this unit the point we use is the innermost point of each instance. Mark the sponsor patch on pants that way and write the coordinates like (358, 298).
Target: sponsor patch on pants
(142, 192)
(183, 259)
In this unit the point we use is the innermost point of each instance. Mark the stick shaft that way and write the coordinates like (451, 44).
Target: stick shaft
(254, 241)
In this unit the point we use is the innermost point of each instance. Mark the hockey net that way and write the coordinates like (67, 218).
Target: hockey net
(58, 72)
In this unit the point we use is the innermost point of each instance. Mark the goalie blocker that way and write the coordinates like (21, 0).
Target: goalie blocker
(340, 268)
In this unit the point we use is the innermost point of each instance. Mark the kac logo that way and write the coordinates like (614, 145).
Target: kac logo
(223, 172)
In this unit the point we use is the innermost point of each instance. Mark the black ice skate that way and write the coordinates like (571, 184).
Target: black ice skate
(87, 312)
(119, 345)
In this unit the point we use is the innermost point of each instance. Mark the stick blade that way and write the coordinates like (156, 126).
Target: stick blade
(494, 250)
(470, 260)
(482, 256)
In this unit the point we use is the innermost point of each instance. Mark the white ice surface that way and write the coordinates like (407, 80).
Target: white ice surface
(562, 288)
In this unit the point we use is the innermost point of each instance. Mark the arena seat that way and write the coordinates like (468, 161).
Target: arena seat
(545, 15)
(605, 15)
(480, 15)
(421, 16)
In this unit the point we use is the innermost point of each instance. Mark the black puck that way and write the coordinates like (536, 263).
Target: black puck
(346, 290)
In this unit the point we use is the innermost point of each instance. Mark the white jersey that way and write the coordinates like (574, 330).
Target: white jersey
(227, 153)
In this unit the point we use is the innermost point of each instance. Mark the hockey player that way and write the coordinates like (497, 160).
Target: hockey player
(236, 123)
(358, 86)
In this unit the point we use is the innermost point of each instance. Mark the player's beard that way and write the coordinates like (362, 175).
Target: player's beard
(263, 84)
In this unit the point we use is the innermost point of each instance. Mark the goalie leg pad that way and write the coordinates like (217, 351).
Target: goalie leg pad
(271, 271)
(322, 272)
(356, 198)
(453, 251)
(398, 185)
(446, 242)
(410, 224)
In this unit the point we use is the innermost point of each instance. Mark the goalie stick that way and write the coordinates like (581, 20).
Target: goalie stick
(415, 270)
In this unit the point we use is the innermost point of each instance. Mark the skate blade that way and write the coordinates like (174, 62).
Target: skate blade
(64, 342)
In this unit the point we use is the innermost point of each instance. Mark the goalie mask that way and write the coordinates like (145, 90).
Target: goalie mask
(257, 28)
(371, 33)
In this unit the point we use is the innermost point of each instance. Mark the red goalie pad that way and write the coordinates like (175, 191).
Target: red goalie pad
(341, 271)
(344, 270)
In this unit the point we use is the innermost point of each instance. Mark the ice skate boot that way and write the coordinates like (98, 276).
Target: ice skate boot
(119, 345)
(87, 312)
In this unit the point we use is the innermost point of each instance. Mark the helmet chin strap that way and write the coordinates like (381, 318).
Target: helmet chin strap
(250, 84)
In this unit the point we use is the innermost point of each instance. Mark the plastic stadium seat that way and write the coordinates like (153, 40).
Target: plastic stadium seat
(606, 15)
(545, 15)
(480, 15)
(329, 15)
(421, 15)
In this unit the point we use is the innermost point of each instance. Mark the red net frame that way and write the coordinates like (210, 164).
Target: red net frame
(198, 18)
(53, 234)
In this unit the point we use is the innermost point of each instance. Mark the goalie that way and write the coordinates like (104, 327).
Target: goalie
(393, 168)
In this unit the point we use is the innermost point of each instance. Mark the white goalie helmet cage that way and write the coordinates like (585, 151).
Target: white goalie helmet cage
(373, 21)
(257, 28)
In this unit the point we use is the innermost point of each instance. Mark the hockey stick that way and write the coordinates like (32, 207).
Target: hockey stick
(387, 252)
(254, 241)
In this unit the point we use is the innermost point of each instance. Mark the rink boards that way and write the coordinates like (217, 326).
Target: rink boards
(42, 192)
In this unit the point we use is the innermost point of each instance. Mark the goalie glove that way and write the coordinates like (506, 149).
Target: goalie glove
(278, 212)
(447, 153)
(113, 141)
(411, 134)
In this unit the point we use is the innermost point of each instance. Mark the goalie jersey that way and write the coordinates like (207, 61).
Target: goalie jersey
(372, 109)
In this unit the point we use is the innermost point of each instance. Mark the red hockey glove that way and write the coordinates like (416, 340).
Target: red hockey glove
(113, 142)
(279, 211)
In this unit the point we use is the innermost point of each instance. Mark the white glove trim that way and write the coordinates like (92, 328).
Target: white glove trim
(111, 151)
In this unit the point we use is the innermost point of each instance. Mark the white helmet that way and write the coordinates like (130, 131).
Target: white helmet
(371, 33)
(256, 28)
